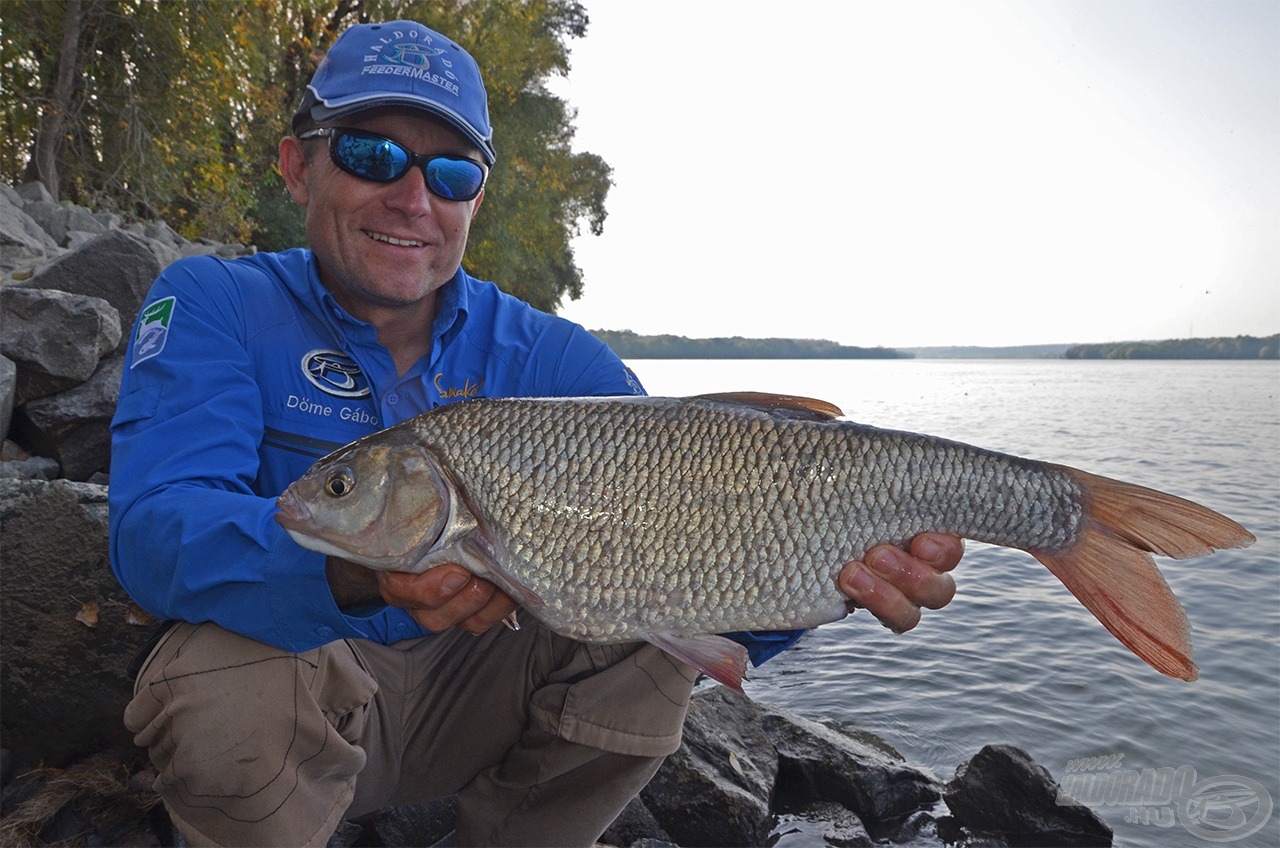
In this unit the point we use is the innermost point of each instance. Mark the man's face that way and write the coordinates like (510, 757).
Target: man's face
(382, 245)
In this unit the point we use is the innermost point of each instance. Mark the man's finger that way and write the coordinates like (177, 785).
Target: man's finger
(440, 598)
(938, 550)
(922, 584)
(880, 597)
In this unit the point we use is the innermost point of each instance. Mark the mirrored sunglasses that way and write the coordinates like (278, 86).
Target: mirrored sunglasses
(373, 157)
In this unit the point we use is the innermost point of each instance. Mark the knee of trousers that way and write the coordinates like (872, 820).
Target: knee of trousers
(244, 734)
(623, 699)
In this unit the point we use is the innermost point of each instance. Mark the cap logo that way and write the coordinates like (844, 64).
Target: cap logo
(409, 53)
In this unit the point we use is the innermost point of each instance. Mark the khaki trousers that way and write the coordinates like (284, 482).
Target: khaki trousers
(542, 739)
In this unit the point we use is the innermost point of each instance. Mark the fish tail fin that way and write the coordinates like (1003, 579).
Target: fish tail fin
(1110, 570)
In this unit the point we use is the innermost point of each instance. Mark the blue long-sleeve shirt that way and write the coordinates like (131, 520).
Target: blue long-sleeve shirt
(239, 375)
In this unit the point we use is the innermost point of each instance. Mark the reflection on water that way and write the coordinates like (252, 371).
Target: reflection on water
(1015, 659)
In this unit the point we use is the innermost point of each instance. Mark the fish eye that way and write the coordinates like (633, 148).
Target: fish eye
(340, 483)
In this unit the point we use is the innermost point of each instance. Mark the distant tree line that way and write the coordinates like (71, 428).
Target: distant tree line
(1240, 347)
(629, 345)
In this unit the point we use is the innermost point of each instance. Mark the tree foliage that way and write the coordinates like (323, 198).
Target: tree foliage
(174, 110)
(1239, 347)
(631, 345)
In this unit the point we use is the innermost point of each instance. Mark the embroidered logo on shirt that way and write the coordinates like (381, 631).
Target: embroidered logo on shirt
(153, 330)
(335, 373)
(468, 389)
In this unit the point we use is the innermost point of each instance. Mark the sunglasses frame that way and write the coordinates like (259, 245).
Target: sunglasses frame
(420, 160)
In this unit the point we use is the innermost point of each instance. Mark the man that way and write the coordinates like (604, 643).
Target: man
(296, 689)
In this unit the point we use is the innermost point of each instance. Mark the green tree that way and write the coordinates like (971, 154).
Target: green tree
(173, 110)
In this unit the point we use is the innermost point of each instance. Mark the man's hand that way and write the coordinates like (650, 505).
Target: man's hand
(446, 595)
(894, 584)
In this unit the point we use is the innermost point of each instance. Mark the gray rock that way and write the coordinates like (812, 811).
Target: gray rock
(8, 390)
(841, 826)
(51, 217)
(31, 468)
(634, 823)
(55, 338)
(63, 681)
(860, 772)
(22, 239)
(1002, 792)
(163, 233)
(115, 266)
(81, 220)
(73, 426)
(716, 788)
(34, 190)
(411, 824)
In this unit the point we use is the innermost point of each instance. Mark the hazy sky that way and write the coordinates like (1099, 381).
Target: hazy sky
(917, 173)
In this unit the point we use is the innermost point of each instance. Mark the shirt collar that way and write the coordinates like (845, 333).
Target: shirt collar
(451, 310)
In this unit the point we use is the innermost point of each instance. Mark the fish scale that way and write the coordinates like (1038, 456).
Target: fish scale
(737, 490)
(672, 520)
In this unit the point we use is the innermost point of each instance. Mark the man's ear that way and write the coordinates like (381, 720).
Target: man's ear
(293, 167)
(475, 204)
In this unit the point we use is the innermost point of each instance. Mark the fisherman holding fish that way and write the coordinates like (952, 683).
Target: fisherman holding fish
(297, 688)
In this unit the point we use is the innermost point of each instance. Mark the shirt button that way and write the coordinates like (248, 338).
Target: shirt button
(393, 399)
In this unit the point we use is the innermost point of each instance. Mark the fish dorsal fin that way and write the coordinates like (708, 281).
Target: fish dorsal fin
(790, 406)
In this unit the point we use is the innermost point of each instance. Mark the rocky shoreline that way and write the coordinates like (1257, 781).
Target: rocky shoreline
(746, 773)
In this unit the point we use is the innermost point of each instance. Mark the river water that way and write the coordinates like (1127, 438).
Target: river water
(1014, 658)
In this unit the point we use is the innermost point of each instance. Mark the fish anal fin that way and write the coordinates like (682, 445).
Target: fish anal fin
(721, 659)
(792, 406)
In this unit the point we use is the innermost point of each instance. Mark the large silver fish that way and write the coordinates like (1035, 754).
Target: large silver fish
(670, 520)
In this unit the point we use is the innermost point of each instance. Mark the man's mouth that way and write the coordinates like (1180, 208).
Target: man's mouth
(386, 239)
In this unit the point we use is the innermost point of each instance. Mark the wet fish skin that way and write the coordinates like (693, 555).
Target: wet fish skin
(669, 519)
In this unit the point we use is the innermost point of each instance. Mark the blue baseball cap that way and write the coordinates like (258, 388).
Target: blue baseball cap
(400, 63)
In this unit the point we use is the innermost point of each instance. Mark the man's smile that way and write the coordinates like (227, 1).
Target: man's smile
(383, 237)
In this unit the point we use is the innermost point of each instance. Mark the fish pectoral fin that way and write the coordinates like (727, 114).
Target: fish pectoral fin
(474, 556)
(721, 659)
(786, 406)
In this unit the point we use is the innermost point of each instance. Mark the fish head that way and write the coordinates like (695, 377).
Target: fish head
(381, 502)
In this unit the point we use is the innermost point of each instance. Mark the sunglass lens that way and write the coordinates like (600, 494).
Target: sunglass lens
(371, 157)
(454, 179)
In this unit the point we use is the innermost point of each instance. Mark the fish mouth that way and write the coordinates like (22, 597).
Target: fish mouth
(293, 511)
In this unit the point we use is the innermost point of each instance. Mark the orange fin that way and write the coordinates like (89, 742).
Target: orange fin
(1110, 570)
(793, 406)
(715, 656)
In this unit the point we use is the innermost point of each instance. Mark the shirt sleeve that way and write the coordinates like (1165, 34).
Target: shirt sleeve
(190, 537)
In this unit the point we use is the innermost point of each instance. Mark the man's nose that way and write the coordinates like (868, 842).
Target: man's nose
(410, 192)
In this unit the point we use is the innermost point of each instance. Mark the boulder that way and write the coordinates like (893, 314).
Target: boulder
(411, 824)
(635, 823)
(858, 771)
(69, 629)
(22, 240)
(1002, 792)
(55, 338)
(717, 787)
(116, 266)
(74, 427)
(8, 390)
